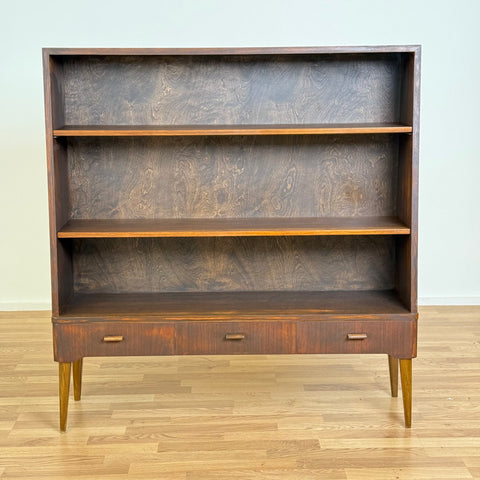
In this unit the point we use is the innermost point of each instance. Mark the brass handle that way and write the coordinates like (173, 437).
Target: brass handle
(113, 338)
(356, 336)
(234, 336)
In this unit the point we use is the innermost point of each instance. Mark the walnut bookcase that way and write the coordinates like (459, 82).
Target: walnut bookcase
(233, 201)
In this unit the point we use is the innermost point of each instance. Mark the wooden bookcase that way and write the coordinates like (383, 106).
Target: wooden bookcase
(233, 201)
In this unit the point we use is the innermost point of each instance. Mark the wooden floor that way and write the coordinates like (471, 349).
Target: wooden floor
(245, 417)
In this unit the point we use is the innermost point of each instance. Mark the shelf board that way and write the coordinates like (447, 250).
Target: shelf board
(234, 305)
(233, 227)
(202, 130)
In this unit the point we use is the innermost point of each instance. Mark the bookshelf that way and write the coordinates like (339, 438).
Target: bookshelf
(233, 201)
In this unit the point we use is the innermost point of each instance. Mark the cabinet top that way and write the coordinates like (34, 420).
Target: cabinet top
(235, 51)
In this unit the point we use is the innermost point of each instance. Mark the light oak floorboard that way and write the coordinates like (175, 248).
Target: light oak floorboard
(246, 417)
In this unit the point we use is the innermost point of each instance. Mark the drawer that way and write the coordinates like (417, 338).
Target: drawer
(225, 338)
(74, 341)
(395, 337)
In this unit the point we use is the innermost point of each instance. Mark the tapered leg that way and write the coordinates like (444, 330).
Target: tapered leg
(77, 379)
(406, 376)
(393, 368)
(64, 390)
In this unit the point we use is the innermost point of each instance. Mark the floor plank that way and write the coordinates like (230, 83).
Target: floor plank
(246, 417)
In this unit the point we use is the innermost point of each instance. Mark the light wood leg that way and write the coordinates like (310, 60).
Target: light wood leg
(77, 379)
(406, 376)
(393, 368)
(64, 390)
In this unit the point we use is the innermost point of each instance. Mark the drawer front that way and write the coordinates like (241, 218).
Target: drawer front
(74, 341)
(225, 338)
(395, 337)
(78, 340)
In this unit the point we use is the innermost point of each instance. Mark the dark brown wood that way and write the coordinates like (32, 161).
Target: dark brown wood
(64, 369)
(77, 379)
(404, 246)
(63, 280)
(54, 79)
(406, 376)
(278, 188)
(393, 371)
(409, 87)
(58, 198)
(414, 191)
(233, 227)
(256, 305)
(408, 180)
(395, 337)
(206, 338)
(220, 264)
(234, 51)
(258, 90)
(78, 340)
(233, 177)
(205, 130)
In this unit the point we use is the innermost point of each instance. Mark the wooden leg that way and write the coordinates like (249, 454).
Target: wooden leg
(393, 368)
(406, 375)
(77, 379)
(64, 390)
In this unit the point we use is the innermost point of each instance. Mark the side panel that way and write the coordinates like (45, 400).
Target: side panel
(58, 198)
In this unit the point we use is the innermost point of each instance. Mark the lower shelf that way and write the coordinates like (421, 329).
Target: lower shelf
(233, 306)
(234, 323)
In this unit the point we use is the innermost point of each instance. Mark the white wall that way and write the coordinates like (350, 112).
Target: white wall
(449, 243)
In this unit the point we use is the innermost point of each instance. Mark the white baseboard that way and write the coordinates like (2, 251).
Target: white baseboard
(24, 306)
(434, 301)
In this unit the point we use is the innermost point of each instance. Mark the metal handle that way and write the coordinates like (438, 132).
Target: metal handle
(113, 338)
(356, 336)
(234, 336)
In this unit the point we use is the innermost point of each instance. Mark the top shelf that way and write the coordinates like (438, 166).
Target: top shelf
(203, 130)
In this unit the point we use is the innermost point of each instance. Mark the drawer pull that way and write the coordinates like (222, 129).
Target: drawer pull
(356, 336)
(234, 336)
(113, 338)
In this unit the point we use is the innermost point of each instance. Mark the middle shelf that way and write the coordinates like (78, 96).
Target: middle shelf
(233, 227)
(207, 130)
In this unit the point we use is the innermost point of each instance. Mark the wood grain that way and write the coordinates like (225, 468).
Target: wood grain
(74, 342)
(152, 265)
(239, 89)
(385, 335)
(264, 322)
(296, 417)
(60, 253)
(407, 276)
(210, 177)
(234, 305)
(234, 50)
(406, 376)
(58, 194)
(204, 130)
(393, 370)
(231, 163)
(77, 371)
(232, 227)
(416, 67)
(64, 369)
